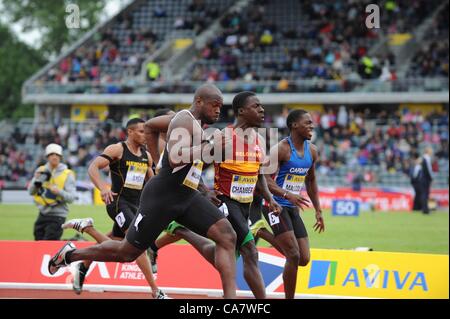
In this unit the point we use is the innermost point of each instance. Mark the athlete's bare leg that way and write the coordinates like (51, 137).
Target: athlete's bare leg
(204, 246)
(269, 237)
(167, 239)
(303, 245)
(99, 238)
(252, 274)
(223, 235)
(109, 250)
(144, 265)
(142, 261)
(289, 245)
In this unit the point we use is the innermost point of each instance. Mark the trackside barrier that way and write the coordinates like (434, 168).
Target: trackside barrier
(330, 274)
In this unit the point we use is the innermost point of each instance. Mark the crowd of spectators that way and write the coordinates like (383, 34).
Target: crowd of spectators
(432, 58)
(117, 51)
(346, 138)
(330, 41)
(369, 144)
(19, 159)
(276, 42)
(89, 61)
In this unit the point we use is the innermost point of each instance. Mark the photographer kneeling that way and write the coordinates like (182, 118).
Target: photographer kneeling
(53, 187)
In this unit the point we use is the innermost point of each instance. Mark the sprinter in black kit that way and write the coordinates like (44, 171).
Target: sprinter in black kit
(129, 165)
(173, 195)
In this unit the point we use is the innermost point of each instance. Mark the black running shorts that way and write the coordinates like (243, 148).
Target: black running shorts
(288, 220)
(159, 206)
(255, 209)
(122, 212)
(238, 214)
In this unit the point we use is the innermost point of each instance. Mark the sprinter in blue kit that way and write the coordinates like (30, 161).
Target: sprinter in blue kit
(296, 169)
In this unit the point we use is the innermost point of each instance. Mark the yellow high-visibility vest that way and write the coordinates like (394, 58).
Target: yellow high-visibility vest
(47, 197)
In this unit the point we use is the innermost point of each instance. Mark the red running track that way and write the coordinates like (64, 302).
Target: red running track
(68, 294)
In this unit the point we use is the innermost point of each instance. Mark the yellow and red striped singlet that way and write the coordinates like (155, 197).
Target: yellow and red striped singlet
(236, 178)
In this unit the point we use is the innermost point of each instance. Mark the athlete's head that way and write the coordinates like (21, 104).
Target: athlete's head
(247, 107)
(135, 130)
(208, 100)
(300, 122)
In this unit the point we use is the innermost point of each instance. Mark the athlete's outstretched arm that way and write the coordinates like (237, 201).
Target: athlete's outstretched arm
(313, 191)
(111, 153)
(153, 128)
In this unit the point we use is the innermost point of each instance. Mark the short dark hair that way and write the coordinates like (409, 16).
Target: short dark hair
(240, 99)
(161, 112)
(134, 121)
(294, 117)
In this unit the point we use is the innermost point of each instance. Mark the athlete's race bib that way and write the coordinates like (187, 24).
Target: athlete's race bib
(136, 175)
(273, 219)
(192, 178)
(242, 188)
(293, 183)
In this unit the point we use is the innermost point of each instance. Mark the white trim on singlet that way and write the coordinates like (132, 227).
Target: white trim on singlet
(195, 120)
(176, 169)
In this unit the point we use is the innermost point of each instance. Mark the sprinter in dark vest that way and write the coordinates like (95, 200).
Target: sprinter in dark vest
(173, 195)
(130, 167)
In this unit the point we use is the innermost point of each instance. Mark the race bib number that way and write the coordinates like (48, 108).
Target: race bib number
(192, 178)
(273, 219)
(242, 188)
(136, 175)
(293, 183)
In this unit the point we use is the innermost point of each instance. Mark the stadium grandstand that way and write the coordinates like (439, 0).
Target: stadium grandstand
(377, 95)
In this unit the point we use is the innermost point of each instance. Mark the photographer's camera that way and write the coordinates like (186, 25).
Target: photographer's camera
(44, 176)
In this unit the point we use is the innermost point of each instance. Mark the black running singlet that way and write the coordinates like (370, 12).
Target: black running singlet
(128, 174)
(186, 177)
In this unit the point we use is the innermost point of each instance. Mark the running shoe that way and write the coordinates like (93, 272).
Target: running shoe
(78, 278)
(78, 224)
(161, 295)
(59, 260)
(257, 226)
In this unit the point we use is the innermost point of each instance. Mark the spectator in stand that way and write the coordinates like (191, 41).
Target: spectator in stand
(426, 178)
(416, 182)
